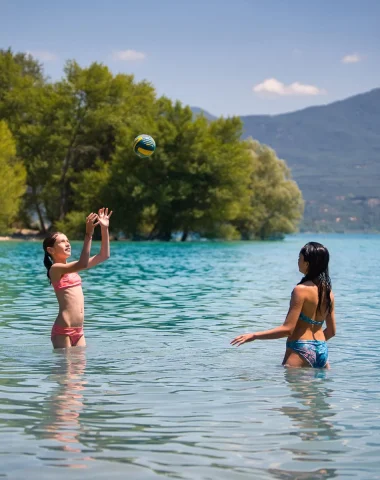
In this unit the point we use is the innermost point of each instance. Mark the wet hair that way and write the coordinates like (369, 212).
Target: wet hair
(318, 272)
(49, 242)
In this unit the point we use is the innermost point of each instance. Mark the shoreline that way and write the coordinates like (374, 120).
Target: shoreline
(22, 235)
(20, 239)
(39, 238)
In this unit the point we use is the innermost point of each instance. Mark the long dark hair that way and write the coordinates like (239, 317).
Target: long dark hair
(49, 242)
(318, 272)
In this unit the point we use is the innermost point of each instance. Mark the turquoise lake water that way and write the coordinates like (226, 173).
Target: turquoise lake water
(160, 393)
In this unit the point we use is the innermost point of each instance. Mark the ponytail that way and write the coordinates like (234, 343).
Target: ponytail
(48, 263)
(323, 282)
(49, 242)
(318, 258)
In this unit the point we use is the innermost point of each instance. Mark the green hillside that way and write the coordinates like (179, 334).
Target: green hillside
(334, 154)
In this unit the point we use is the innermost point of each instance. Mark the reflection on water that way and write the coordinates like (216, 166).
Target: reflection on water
(311, 418)
(159, 393)
(311, 422)
(61, 421)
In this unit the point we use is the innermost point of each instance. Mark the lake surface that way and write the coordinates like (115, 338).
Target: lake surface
(160, 393)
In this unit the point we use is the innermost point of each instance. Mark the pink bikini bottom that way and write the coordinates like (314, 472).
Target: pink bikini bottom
(74, 333)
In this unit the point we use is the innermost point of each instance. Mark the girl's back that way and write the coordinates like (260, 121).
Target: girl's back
(305, 328)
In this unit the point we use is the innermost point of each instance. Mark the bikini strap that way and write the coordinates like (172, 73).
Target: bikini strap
(306, 319)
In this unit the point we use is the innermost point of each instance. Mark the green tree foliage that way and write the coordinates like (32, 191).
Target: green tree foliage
(98, 109)
(276, 205)
(19, 73)
(197, 179)
(23, 103)
(75, 138)
(12, 178)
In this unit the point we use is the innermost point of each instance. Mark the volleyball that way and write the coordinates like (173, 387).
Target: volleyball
(144, 146)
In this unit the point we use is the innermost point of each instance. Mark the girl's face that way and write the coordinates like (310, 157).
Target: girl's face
(61, 250)
(303, 266)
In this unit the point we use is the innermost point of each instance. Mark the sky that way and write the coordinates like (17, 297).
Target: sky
(230, 57)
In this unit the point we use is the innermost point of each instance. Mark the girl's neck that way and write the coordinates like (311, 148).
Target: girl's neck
(56, 260)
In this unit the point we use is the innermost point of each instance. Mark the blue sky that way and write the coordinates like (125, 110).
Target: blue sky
(235, 57)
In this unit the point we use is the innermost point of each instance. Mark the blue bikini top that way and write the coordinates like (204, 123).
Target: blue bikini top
(309, 320)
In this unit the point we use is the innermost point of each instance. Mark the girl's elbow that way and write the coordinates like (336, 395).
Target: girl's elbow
(288, 331)
(329, 333)
(104, 257)
(332, 330)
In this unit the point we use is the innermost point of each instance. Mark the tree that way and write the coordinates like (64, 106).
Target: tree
(19, 73)
(196, 180)
(68, 130)
(105, 113)
(276, 204)
(22, 86)
(12, 178)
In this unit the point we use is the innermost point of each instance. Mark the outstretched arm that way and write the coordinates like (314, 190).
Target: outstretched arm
(104, 254)
(285, 330)
(59, 269)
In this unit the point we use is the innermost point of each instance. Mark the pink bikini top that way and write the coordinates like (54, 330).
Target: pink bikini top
(67, 280)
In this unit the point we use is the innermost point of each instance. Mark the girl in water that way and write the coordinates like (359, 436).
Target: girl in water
(68, 328)
(312, 303)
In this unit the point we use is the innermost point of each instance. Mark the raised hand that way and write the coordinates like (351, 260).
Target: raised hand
(91, 223)
(104, 217)
(247, 337)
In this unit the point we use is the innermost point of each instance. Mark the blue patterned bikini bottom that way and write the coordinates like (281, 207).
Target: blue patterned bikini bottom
(315, 352)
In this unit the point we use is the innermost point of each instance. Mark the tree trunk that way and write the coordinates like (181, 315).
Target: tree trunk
(185, 234)
(63, 207)
(153, 232)
(165, 235)
(38, 210)
(64, 187)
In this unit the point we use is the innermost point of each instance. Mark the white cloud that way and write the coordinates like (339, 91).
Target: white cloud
(44, 55)
(128, 55)
(275, 87)
(352, 58)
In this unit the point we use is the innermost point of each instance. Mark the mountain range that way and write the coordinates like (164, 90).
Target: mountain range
(333, 152)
